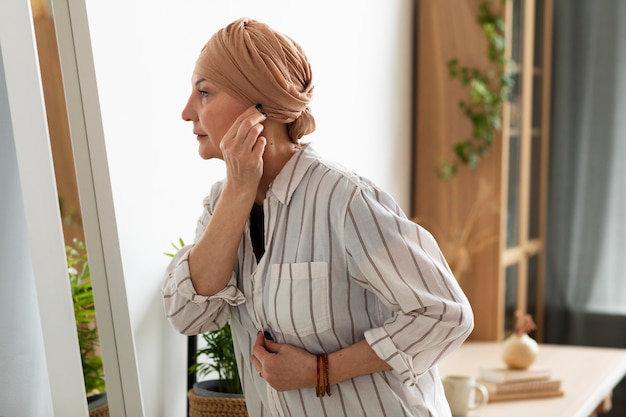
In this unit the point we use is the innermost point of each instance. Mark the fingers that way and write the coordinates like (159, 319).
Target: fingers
(246, 130)
(261, 349)
(259, 147)
(259, 340)
(258, 350)
(270, 346)
(250, 132)
(242, 149)
(284, 367)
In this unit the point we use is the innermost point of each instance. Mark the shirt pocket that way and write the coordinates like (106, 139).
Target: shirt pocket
(299, 298)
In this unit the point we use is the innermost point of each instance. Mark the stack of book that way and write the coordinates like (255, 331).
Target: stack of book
(512, 384)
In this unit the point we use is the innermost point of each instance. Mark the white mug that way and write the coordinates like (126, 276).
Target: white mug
(461, 394)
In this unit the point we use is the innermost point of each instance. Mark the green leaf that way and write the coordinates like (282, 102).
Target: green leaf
(176, 247)
(487, 91)
(85, 316)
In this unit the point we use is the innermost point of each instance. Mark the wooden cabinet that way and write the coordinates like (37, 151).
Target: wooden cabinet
(490, 221)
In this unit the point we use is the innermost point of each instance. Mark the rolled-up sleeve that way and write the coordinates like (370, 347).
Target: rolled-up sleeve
(402, 264)
(189, 312)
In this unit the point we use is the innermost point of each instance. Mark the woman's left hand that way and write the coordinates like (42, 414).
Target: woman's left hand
(284, 367)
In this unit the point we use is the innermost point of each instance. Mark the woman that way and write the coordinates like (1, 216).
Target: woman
(339, 305)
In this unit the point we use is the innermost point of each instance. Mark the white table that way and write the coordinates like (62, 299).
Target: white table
(588, 376)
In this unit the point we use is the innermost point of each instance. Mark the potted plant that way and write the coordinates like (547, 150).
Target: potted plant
(222, 396)
(88, 340)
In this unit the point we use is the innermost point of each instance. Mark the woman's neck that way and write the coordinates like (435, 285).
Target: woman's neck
(278, 150)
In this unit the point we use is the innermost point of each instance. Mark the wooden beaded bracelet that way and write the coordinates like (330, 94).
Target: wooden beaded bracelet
(323, 384)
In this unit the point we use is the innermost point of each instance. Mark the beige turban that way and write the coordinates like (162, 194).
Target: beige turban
(260, 66)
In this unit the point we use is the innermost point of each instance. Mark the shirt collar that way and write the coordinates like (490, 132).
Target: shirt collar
(288, 179)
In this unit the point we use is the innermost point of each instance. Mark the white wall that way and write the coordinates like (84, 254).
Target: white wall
(144, 52)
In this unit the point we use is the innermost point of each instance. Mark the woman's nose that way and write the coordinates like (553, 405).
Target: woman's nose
(188, 113)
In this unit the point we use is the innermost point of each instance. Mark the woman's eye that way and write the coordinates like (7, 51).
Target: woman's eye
(203, 93)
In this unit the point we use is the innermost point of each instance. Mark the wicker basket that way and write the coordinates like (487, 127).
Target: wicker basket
(102, 411)
(216, 406)
(98, 405)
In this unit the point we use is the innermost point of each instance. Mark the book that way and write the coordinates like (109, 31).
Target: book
(525, 395)
(509, 384)
(500, 375)
(516, 387)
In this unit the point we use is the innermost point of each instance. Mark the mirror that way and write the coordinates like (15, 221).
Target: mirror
(98, 259)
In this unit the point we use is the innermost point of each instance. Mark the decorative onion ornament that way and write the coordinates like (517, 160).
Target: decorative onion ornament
(520, 350)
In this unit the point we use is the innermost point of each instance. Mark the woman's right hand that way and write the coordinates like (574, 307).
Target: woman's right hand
(212, 258)
(242, 148)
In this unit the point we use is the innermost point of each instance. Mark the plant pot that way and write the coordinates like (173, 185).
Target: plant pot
(206, 400)
(98, 405)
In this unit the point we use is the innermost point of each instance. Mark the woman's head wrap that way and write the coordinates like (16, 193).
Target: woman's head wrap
(260, 66)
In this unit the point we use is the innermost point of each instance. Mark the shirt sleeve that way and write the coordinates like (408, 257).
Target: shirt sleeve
(187, 311)
(402, 264)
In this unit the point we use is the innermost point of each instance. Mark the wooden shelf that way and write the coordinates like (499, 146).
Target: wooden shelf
(490, 222)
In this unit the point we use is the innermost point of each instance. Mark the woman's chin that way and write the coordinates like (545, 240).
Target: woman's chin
(206, 156)
(209, 154)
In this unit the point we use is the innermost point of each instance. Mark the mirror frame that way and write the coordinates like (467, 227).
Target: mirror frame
(96, 200)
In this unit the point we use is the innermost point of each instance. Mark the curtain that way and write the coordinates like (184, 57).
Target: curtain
(587, 204)
(586, 252)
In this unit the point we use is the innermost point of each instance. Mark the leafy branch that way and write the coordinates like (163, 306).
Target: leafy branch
(85, 316)
(177, 246)
(488, 91)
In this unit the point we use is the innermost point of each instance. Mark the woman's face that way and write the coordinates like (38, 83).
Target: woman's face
(212, 111)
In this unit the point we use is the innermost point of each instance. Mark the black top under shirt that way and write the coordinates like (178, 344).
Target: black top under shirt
(257, 231)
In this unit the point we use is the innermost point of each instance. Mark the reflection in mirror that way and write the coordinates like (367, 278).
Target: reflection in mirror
(58, 126)
(69, 205)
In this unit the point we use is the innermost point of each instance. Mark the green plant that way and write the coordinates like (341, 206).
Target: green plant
(70, 215)
(488, 91)
(218, 353)
(85, 315)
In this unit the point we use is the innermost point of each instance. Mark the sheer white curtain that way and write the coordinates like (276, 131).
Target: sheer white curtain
(586, 268)
(586, 253)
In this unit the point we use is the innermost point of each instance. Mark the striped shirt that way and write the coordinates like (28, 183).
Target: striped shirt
(342, 263)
